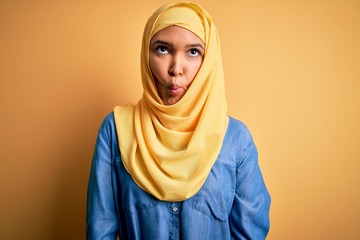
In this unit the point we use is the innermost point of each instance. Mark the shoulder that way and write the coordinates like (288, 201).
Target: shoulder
(237, 142)
(107, 128)
(237, 129)
(108, 121)
(108, 124)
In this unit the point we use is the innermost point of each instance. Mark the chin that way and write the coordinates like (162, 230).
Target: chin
(171, 101)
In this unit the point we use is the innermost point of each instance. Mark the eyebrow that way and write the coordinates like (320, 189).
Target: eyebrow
(195, 45)
(171, 45)
(161, 42)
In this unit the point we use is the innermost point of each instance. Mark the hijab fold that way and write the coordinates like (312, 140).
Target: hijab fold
(169, 150)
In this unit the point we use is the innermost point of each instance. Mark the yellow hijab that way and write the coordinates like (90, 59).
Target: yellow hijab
(169, 150)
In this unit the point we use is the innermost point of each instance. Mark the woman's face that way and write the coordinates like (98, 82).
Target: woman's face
(175, 57)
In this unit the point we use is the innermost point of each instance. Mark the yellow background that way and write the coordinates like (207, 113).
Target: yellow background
(292, 71)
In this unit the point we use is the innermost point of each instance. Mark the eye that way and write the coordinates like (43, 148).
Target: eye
(161, 50)
(194, 52)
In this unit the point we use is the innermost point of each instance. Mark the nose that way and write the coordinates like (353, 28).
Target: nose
(176, 68)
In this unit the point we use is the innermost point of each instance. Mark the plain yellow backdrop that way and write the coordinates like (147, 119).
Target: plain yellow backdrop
(292, 71)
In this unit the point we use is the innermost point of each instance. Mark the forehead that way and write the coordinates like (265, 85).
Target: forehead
(176, 34)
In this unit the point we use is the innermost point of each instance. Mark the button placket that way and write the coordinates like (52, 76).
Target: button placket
(175, 207)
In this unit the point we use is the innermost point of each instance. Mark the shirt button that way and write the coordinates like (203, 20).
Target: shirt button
(174, 209)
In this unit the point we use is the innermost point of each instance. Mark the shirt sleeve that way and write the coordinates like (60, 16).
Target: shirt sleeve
(249, 217)
(101, 216)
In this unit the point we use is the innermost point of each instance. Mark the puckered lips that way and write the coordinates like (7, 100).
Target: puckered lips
(174, 90)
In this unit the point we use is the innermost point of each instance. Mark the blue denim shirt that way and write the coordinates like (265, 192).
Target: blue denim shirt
(233, 203)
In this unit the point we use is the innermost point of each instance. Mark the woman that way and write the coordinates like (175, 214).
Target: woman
(175, 165)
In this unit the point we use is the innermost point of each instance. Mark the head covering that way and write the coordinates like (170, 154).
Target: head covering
(169, 150)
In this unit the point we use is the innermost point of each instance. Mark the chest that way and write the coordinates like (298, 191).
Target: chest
(213, 200)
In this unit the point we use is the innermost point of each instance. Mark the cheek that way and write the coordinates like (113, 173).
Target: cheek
(157, 67)
(152, 65)
(195, 68)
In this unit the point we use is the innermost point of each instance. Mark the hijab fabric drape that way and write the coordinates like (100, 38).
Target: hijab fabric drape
(169, 150)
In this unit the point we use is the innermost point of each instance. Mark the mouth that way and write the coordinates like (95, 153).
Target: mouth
(174, 90)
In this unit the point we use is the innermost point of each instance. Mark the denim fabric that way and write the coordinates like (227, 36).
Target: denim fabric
(233, 203)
